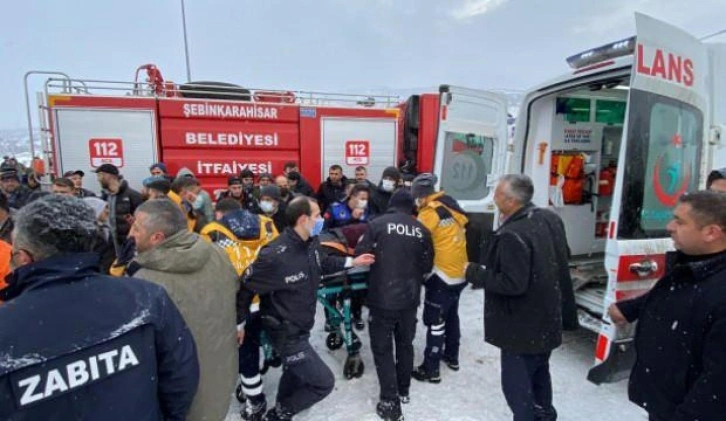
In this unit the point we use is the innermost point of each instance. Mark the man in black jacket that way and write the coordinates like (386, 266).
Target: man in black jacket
(528, 296)
(272, 206)
(80, 345)
(361, 177)
(298, 185)
(333, 189)
(680, 339)
(248, 188)
(16, 192)
(404, 255)
(6, 220)
(286, 275)
(77, 178)
(122, 203)
(286, 194)
(382, 195)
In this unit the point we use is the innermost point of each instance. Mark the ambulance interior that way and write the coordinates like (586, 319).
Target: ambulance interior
(584, 127)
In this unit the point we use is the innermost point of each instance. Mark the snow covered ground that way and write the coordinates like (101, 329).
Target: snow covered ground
(473, 393)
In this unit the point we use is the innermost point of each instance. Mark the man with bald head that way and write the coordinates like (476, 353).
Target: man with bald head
(285, 194)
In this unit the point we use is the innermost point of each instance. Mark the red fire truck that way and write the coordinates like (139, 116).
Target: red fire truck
(218, 129)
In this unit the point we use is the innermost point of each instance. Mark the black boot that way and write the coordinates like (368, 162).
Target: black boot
(254, 411)
(358, 323)
(389, 410)
(451, 363)
(422, 375)
(278, 413)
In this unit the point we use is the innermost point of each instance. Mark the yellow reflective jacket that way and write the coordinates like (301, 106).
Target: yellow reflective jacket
(241, 252)
(446, 221)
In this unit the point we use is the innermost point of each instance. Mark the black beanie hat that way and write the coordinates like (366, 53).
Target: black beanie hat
(402, 201)
(392, 172)
(271, 191)
(423, 185)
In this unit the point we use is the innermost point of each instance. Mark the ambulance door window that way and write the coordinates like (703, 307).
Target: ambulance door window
(663, 155)
(467, 165)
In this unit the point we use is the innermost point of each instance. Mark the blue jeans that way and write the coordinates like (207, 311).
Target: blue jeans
(527, 386)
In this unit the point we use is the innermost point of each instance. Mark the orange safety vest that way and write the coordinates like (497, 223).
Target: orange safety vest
(6, 255)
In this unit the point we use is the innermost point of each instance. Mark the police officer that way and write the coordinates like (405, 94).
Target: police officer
(404, 255)
(286, 275)
(99, 348)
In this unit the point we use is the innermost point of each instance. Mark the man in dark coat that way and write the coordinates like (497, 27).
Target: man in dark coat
(298, 185)
(101, 348)
(6, 221)
(404, 255)
(122, 203)
(333, 189)
(528, 296)
(680, 339)
(361, 177)
(16, 192)
(273, 207)
(382, 194)
(77, 178)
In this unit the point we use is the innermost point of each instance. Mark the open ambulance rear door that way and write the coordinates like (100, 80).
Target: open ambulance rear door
(471, 148)
(664, 155)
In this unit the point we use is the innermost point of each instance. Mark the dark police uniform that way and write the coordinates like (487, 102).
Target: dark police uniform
(404, 255)
(286, 275)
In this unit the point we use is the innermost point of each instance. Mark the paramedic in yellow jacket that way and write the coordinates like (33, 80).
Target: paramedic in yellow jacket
(242, 234)
(442, 216)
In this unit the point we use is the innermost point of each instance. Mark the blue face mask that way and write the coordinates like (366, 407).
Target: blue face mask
(318, 227)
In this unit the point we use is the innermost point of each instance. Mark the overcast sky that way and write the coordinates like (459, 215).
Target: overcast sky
(322, 44)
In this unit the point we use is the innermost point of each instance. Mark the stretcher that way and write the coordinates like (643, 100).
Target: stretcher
(343, 284)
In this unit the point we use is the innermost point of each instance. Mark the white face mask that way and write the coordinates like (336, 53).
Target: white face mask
(388, 185)
(198, 202)
(361, 204)
(267, 206)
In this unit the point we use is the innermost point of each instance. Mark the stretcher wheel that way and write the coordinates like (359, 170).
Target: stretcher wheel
(355, 345)
(239, 394)
(334, 341)
(274, 362)
(354, 367)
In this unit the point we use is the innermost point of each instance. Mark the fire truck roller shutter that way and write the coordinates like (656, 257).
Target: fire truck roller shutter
(215, 90)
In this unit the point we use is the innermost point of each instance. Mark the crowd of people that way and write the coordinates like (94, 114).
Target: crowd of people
(155, 303)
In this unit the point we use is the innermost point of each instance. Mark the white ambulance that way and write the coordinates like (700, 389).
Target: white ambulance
(610, 146)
